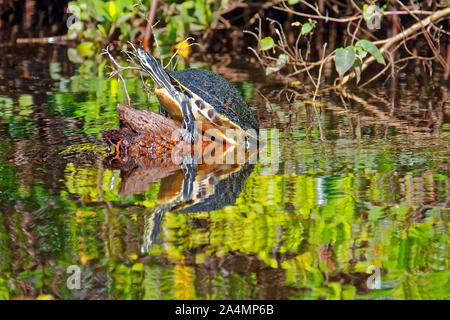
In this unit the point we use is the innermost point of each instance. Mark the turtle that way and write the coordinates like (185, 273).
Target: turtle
(194, 96)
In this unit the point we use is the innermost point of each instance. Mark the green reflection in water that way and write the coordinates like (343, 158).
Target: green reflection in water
(308, 231)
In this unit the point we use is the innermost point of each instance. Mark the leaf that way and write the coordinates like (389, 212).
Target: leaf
(348, 292)
(344, 59)
(124, 18)
(372, 49)
(112, 10)
(267, 43)
(201, 12)
(85, 48)
(368, 11)
(307, 27)
(360, 53)
(137, 267)
(190, 4)
(281, 62)
(73, 56)
(102, 30)
(74, 30)
(292, 2)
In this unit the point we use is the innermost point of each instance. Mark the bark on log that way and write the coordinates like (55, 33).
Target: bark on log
(145, 136)
(147, 121)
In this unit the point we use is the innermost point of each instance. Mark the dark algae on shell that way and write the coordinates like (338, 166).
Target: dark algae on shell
(218, 92)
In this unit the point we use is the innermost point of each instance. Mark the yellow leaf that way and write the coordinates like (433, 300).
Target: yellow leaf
(138, 267)
(184, 49)
(314, 103)
(132, 256)
(83, 258)
(304, 261)
(112, 10)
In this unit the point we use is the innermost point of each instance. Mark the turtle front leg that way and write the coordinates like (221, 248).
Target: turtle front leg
(189, 131)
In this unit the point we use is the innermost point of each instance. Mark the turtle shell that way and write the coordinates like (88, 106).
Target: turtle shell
(220, 94)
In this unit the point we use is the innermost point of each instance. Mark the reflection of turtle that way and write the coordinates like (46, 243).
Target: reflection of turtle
(214, 187)
(199, 95)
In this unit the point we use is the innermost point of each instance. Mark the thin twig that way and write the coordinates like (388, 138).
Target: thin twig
(149, 28)
(118, 72)
(179, 47)
(317, 90)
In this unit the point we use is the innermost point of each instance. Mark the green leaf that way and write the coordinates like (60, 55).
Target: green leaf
(75, 30)
(292, 2)
(201, 11)
(190, 4)
(124, 17)
(372, 49)
(85, 48)
(307, 27)
(267, 43)
(102, 30)
(137, 267)
(360, 53)
(281, 62)
(73, 56)
(344, 59)
(368, 11)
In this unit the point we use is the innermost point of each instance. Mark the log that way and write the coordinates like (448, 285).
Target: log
(148, 121)
(144, 133)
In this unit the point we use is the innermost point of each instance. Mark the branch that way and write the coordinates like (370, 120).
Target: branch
(149, 29)
(404, 34)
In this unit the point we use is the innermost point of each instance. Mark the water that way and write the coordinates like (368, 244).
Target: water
(372, 195)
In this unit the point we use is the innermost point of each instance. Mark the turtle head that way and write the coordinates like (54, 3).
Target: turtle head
(152, 66)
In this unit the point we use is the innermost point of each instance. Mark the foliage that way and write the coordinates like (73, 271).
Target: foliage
(101, 22)
(348, 26)
(353, 56)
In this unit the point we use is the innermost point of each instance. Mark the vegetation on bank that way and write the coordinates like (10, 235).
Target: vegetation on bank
(370, 31)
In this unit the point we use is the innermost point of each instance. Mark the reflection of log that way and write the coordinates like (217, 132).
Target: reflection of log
(148, 147)
(140, 179)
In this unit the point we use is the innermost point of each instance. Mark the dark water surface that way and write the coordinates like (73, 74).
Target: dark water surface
(372, 196)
